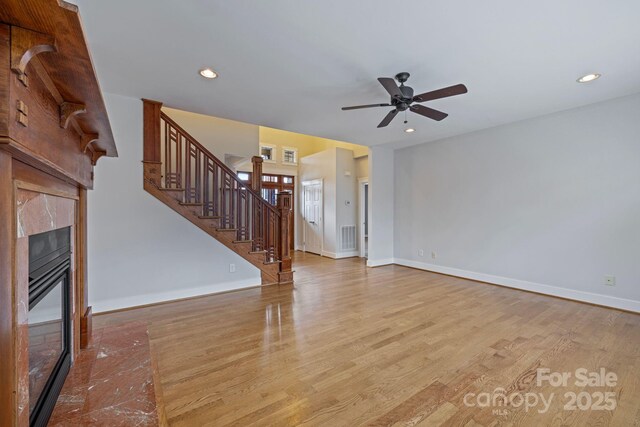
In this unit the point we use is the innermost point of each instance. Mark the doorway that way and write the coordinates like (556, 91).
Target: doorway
(312, 216)
(363, 215)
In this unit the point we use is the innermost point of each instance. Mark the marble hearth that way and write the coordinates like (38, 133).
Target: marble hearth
(111, 382)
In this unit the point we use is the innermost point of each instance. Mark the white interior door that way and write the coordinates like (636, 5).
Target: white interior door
(313, 217)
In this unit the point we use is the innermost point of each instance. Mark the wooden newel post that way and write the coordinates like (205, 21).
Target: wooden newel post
(256, 185)
(152, 157)
(284, 207)
(256, 176)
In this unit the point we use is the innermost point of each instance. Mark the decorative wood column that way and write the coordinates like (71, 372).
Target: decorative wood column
(256, 176)
(81, 259)
(284, 207)
(7, 330)
(152, 157)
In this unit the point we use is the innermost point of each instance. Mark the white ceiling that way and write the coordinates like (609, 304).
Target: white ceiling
(291, 64)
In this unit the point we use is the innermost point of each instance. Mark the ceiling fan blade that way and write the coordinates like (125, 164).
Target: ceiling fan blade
(391, 86)
(356, 107)
(428, 112)
(441, 93)
(387, 119)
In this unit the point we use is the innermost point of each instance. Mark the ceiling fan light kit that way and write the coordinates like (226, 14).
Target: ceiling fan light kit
(402, 99)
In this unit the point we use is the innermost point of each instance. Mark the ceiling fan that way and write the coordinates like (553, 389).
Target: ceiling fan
(402, 99)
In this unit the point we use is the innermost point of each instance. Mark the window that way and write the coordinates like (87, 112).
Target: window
(244, 176)
(287, 180)
(290, 156)
(268, 153)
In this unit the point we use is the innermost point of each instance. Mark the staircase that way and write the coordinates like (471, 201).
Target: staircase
(185, 176)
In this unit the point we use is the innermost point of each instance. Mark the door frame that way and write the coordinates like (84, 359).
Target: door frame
(362, 214)
(306, 183)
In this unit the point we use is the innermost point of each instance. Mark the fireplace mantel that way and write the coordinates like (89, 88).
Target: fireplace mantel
(54, 129)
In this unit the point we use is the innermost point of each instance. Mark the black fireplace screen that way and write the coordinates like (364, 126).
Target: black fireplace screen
(49, 320)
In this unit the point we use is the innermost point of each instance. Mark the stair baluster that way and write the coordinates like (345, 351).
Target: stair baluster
(197, 180)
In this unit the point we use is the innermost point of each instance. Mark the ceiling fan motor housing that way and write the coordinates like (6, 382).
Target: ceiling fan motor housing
(407, 98)
(407, 92)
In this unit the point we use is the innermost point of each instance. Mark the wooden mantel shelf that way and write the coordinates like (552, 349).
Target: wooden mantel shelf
(53, 31)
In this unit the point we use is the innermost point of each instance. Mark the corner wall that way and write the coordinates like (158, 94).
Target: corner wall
(550, 204)
(381, 206)
(140, 250)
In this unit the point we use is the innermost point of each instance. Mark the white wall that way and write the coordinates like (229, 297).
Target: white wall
(220, 136)
(321, 165)
(141, 251)
(550, 204)
(336, 167)
(381, 206)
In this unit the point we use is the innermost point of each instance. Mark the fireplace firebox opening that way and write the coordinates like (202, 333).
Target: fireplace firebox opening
(49, 320)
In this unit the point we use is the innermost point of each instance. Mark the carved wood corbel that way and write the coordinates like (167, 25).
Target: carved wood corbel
(68, 110)
(26, 44)
(95, 155)
(87, 140)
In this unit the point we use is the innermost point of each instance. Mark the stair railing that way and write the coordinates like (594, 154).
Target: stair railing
(210, 185)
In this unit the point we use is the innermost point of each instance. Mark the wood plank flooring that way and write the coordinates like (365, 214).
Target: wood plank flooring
(349, 345)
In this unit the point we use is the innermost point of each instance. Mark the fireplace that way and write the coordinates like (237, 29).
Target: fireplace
(49, 320)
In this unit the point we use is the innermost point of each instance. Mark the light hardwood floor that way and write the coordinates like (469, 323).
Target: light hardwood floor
(350, 345)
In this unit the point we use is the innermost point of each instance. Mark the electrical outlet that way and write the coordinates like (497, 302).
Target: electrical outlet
(232, 268)
(610, 280)
(420, 252)
(433, 255)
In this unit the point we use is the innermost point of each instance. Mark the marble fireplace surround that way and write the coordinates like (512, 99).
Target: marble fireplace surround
(38, 212)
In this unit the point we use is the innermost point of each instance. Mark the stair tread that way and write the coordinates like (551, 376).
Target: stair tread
(171, 189)
(272, 262)
(226, 229)
(208, 217)
(190, 204)
(258, 252)
(243, 241)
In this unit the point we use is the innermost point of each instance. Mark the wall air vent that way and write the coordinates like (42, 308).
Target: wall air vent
(348, 238)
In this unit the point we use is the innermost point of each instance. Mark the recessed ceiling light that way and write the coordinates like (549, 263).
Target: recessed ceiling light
(409, 130)
(208, 73)
(588, 78)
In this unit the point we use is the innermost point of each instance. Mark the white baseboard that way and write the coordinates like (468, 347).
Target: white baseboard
(138, 300)
(340, 255)
(379, 262)
(599, 299)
